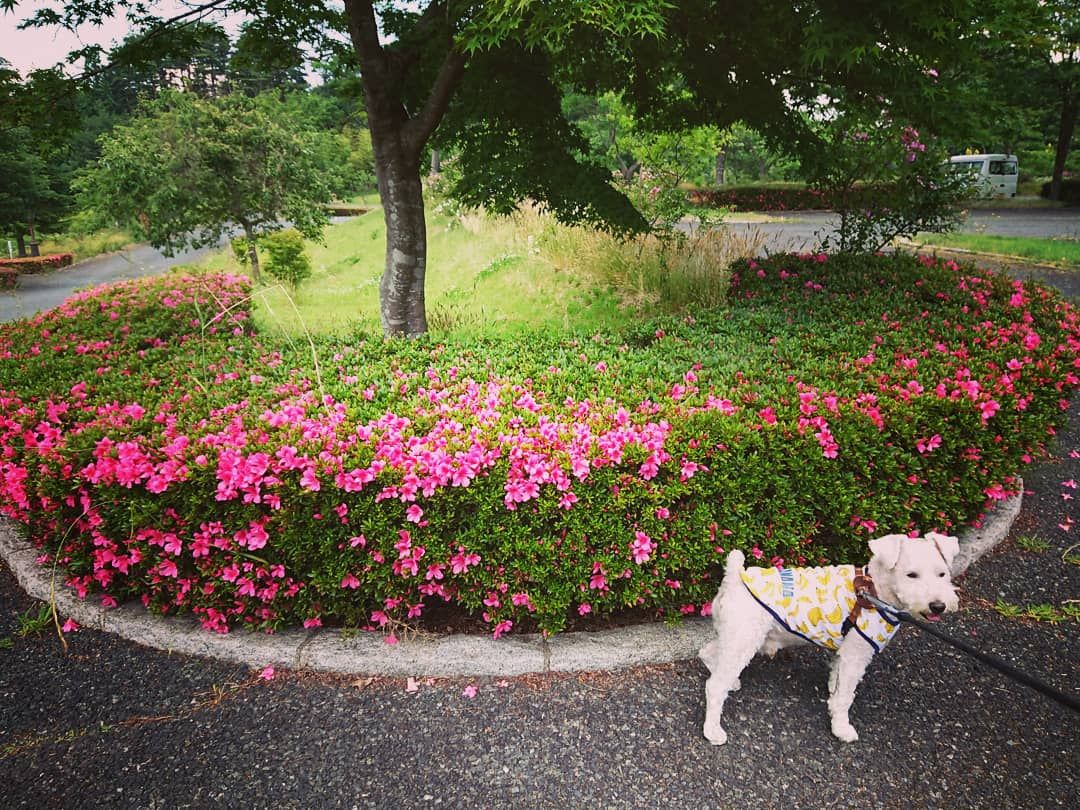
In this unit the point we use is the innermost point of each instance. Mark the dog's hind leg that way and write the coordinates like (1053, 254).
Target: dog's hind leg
(708, 655)
(848, 667)
(736, 644)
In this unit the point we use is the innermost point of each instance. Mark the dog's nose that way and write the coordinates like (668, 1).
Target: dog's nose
(937, 607)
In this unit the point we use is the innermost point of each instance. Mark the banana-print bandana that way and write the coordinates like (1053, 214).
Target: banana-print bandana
(815, 602)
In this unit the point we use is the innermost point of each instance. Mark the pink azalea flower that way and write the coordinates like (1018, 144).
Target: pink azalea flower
(469, 691)
(349, 581)
(642, 547)
(267, 674)
(70, 626)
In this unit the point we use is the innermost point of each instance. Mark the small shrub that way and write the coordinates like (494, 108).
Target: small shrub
(287, 260)
(241, 249)
(885, 182)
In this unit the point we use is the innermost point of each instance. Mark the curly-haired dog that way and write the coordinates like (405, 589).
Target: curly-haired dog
(766, 609)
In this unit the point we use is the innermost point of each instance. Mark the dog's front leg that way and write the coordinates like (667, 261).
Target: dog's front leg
(847, 670)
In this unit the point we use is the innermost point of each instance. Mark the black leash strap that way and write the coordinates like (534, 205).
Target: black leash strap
(988, 659)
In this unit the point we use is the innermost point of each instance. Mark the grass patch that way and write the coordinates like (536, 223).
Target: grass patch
(499, 276)
(1030, 543)
(1052, 614)
(35, 621)
(88, 245)
(1061, 251)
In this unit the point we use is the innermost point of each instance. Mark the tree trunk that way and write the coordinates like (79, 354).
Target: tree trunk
(436, 161)
(721, 166)
(401, 291)
(253, 252)
(398, 139)
(20, 241)
(1069, 107)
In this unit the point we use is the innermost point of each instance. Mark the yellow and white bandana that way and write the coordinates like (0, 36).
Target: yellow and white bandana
(814, 603)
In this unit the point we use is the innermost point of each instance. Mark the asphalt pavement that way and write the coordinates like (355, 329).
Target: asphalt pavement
(108, 723)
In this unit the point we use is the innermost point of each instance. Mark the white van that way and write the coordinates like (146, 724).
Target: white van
(992, 175)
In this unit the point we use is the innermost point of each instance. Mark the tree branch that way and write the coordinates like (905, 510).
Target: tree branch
(364, 33)
(419, 128)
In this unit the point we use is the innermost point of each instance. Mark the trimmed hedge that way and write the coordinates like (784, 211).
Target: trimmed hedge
(155, 448)
(781, 198)
(1070, 191)
(38, 264)
(761, 198)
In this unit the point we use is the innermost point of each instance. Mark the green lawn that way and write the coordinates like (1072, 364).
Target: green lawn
(497, 275)
(1065, 252)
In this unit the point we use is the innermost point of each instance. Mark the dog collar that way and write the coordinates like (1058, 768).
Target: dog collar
(864, 585)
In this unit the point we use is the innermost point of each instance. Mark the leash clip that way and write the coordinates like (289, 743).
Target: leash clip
(889, 612)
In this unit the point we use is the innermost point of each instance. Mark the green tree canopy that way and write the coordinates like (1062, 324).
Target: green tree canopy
(188, 170)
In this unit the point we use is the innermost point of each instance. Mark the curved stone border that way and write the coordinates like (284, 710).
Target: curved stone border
(424, 655)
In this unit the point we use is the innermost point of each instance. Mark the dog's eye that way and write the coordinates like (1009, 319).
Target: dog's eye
(942, 574)
(913, 575)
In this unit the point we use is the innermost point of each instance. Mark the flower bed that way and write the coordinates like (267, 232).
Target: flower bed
(157, 449)
(38, 264)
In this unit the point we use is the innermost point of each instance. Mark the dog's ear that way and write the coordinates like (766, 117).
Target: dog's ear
(948, 546)
(887, 548)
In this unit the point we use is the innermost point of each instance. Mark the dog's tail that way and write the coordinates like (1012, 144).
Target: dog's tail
(734, 565)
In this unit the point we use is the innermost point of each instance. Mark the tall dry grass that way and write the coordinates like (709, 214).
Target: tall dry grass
(686, 270)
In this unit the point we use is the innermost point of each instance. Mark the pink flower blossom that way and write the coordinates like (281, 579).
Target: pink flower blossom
(642, 547)
(349, 581)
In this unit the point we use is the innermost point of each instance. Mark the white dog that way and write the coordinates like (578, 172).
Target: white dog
(766, 609)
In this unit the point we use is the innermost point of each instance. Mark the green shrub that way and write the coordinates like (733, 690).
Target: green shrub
(241, 249)
(157, 449)
(287, 261)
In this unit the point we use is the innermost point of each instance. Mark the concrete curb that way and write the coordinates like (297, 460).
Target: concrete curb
(423, 655)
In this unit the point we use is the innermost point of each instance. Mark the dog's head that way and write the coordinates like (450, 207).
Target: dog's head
(914, 572)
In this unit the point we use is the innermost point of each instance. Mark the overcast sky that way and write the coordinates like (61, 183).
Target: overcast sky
(44, 47)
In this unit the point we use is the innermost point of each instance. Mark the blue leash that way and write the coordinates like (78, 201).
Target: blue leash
(888, 611)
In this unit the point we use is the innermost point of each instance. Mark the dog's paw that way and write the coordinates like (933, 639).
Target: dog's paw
(844, 731)
(714, 733)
